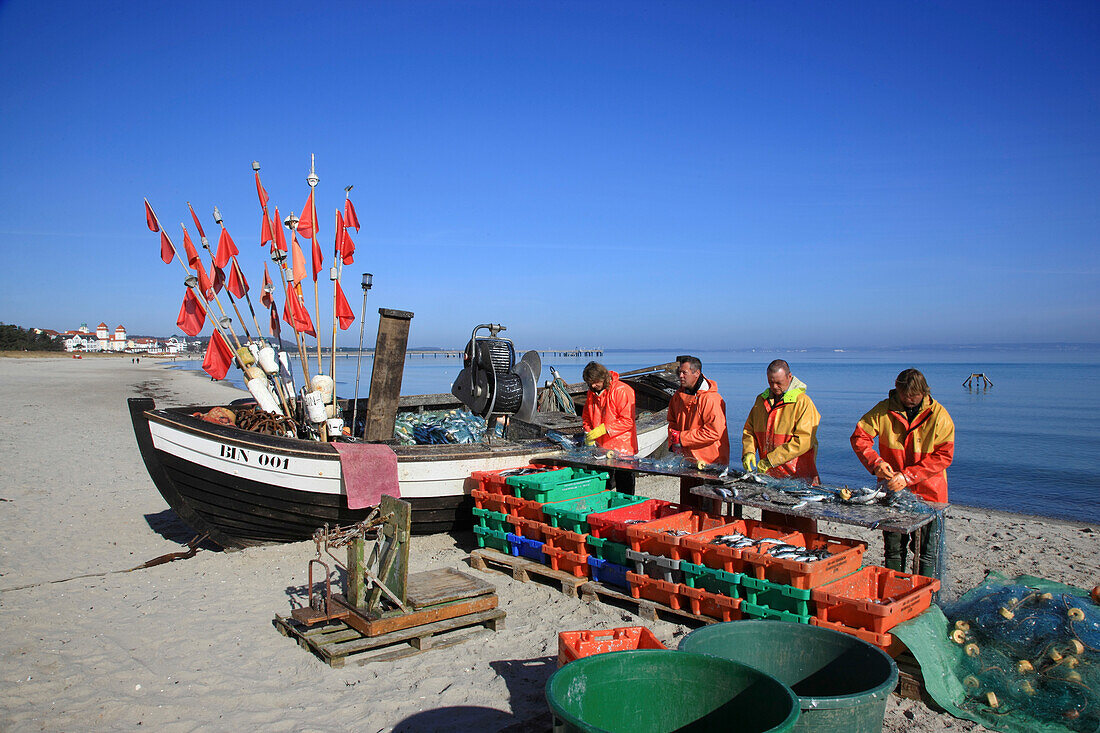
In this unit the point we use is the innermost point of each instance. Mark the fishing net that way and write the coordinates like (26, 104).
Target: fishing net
(439, 427)
(1014, 655)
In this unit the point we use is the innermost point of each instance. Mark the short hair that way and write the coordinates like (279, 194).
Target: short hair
(779, 365)
(911, 381)
(594, 371)
(692, 361)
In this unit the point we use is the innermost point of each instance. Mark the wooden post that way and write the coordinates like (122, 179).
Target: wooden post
(357, 589)
(389, 367)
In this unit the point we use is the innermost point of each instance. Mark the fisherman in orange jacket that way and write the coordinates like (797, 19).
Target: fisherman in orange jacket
(782, 429)
(608, 417)
(916, 444)
(697, 422)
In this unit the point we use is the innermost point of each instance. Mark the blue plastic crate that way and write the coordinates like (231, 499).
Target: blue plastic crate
(526, 547)
(605, 571)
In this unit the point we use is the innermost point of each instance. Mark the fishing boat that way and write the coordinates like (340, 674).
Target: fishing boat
(241, 488)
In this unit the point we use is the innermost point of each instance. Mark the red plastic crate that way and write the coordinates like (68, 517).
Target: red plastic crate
(715, 605)
(700, 551)
(612, 524)
(526, 508)
(568, 562)
(888, 643)
(659, 591)
(563, 539)
(528, 528)
(493, 482)
(489, 500)
(576, 644)
(655, 538)
(847, 556)
(874, 598)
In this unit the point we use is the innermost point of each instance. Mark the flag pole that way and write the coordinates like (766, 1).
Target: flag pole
(233, 263)
(313, 180)
(291, 223)
(335, 273)
(367, 281)
(229, 326)
(206, 246)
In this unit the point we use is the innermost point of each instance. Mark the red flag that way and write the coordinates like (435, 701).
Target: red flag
(265, 230)
(261, 193)
(306, 226)
(268, 296)
(192, 315)
(192, 254)
(318, 258)
(218, 356)
(198, 226)
(273, 326)
(296, 314)
(205, 286)
(150, 218)
(350, 219)
(343, 310)
(167, 251)
(226, 249)
(299, 261)
(280, 237)
(348, 247)
(237, 284)
(219, 279)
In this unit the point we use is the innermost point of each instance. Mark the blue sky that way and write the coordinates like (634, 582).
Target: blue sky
(636, 174)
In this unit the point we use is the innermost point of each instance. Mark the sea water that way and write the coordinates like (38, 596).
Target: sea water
(1029, 444)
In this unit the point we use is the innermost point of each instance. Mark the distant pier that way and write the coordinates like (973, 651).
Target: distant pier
(457, 353)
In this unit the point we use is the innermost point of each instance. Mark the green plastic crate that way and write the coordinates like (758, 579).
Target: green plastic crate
(488, 519)
(777, 596)
(751, 610)
(604, 549)
(493, 539)
(573, 515)
(568, 483)
(712, 579)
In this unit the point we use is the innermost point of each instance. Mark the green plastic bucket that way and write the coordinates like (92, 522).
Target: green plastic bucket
(655, 691)
(842, 682)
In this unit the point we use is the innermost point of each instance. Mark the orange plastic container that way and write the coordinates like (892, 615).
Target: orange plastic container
(563, 539)
(528, 528)
(700, 551)
(846, 557)
(494, 481)
(886, 642)
(492, 501)
(705, 603)
(658, 537)
(527, 508)
(874, 598)
(612, 524)
(568, 562)
(660, 591)
(576, 644)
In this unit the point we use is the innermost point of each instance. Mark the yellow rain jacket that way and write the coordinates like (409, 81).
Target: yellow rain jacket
(784, 433)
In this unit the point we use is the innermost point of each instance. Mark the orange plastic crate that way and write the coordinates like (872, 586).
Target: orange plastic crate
(874, 598)
(659, 591)
(612, 524)
(700, 551)
(528, 528)
(489, 500)
(715, 605)
(568, 562)
(493, 482)
(563, 539)
(527, 508)
(576, 644)
(847, 556)
(655, 537)
(886, 642)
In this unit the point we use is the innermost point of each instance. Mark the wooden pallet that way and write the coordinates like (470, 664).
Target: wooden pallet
(522, 569)
(911, 680)
(648, 610)
(336, 643)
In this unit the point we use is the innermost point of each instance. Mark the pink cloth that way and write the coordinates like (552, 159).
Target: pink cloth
(368, 470)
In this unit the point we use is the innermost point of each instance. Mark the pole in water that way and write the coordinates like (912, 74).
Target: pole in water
(368, 280)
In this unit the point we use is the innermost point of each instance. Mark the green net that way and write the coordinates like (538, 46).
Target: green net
(1014, 655)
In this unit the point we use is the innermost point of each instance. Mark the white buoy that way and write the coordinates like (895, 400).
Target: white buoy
(335, 427)
(261, 390)
(266, 357)
(315, 407)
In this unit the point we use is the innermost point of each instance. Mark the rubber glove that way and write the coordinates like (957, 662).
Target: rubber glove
(674, 441)
(763, 466)
(884, 471)
(597, 432)
(749, 462)
(897, 482)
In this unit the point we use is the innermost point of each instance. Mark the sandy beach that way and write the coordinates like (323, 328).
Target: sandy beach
(189, 645)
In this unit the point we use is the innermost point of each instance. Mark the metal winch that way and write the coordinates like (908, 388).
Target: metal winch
(492, 382)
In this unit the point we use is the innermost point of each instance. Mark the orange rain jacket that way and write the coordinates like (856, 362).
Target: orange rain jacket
(784, 433)
(922, 450)
(614, 407)
(701, 420)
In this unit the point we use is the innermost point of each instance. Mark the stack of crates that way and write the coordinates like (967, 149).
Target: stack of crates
(491, 526)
